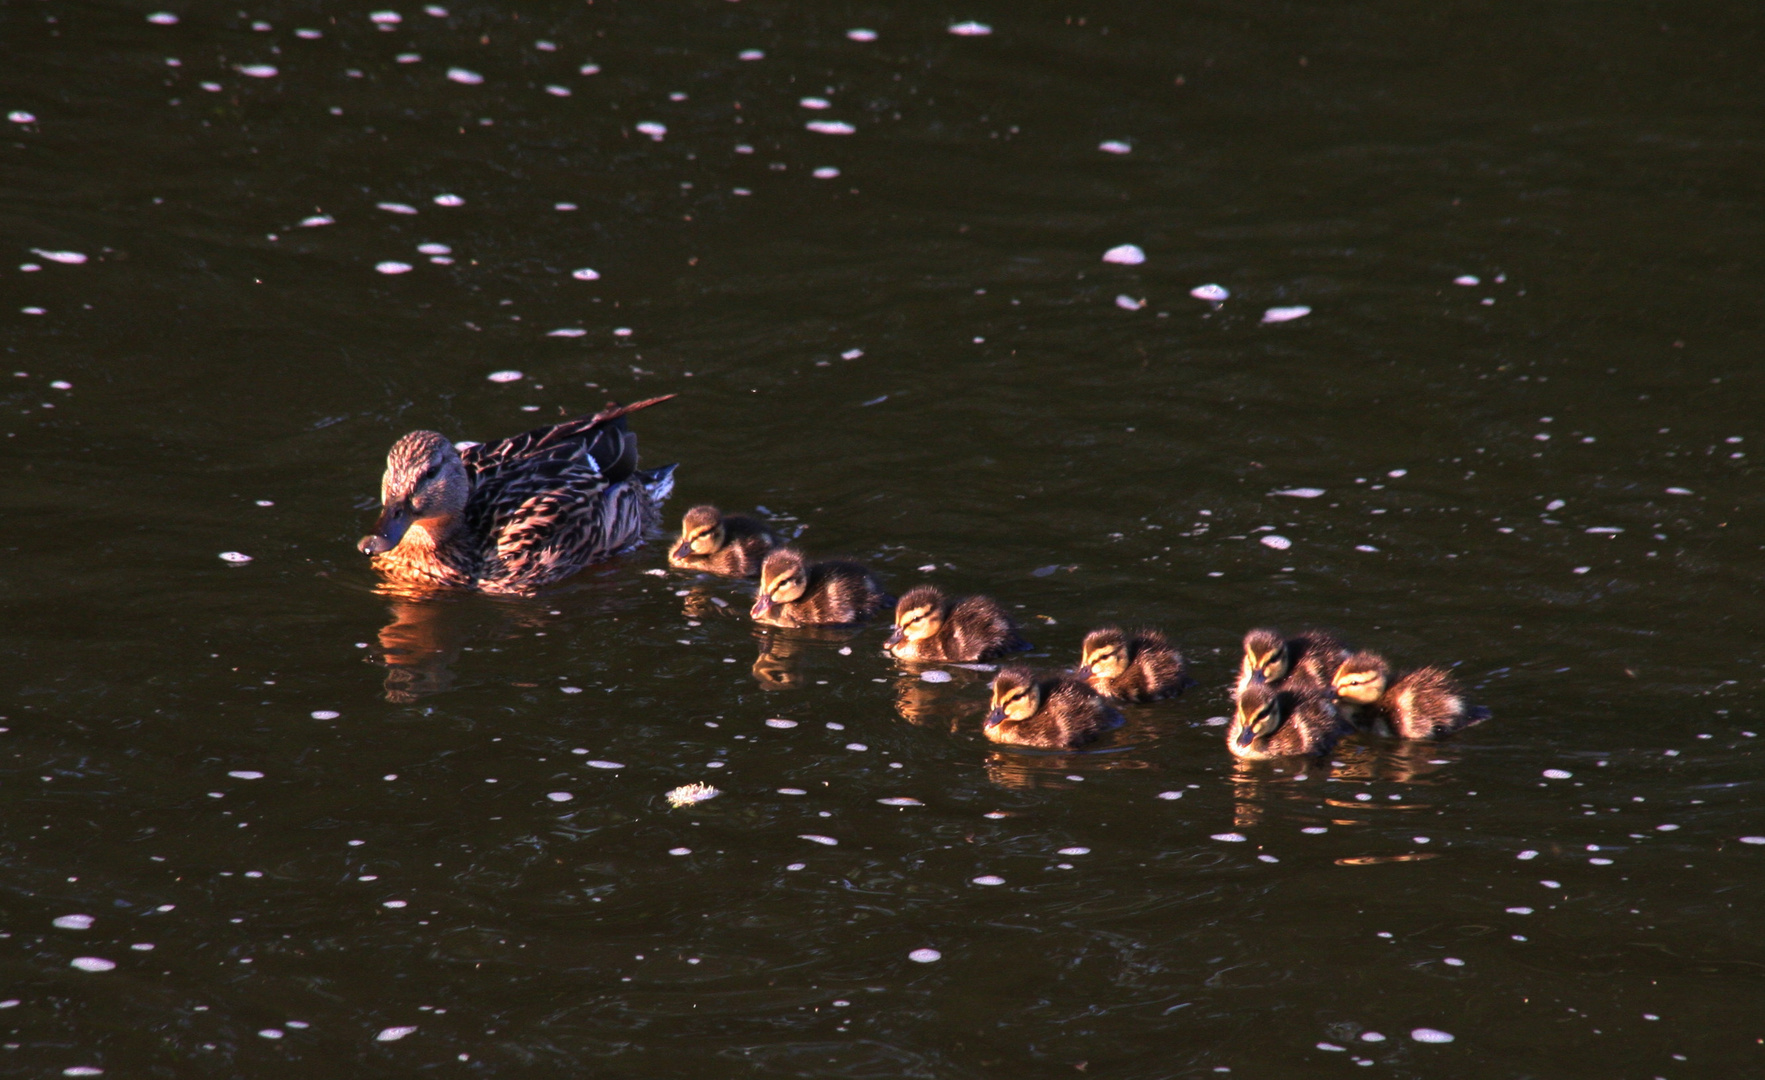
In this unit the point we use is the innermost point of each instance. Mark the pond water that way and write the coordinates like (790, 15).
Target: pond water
(261, 819)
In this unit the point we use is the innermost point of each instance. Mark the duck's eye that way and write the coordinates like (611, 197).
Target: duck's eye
(430, 473)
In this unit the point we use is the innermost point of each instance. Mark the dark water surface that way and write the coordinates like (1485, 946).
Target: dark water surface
(299, 813)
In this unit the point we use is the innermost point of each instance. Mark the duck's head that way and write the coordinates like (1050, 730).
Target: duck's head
(784, 577)
(1266, 654)
(425, 480)
(1017, 696)
(1104, 653)
(1362, 678)
(1261, 712)
(701, 532)
(919, 614)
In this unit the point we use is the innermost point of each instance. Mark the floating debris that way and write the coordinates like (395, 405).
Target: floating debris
(1125, 255)
(1300, 493)
(464, 77)
(935, 676)
(680, 851)
(19, 116)
(505, 376)
(1128, 303)
(653, 129)
(1430, 1035)
(163, 18)
(92, 963)
(688, 794)
(1229, 837)
(971, 29)
(325, 714)
(449, 200)
(792, 791)
(1467, 280)
(67, 258)
(815, 103)
(925, 956)
(751, 54)
(1557, 774)
(75, 922)
(1368, 548)
(1679, 491)
(900, 800)
(1115, 146)
(1170, 795)
(567, 332)
(861, 34)
(1213, 294)
(396, 207)
(393, 266)
(257, 71)
(317, 220)
(830, 127)
(781, 723)
(988, 879)
(1285, 314)
(246, 774)
(816, 838)
(585, 274)
(1073, 850)
(393, 1034)
(559, 796)
(826, 172)
(235, 557)
(605, 764)
(1276, 541)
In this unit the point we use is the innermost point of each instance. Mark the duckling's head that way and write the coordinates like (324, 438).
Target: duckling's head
(1362, 678)
(424, 480)
(919, 614)
(1017, 695)
(701, 532)
(1261, 712)
(784, 577)
(1265, 654)
(1104, 653)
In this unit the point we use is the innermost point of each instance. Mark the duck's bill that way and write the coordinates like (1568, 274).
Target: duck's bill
(896, 636)
(762, 605)
(1083, 674)
(1246, 737)
(682, 550)
(995, 718)
(394, 522)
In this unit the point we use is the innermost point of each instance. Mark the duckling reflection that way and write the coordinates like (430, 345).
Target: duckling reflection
(785, 656)
(1054, 712)
(1425, 704)
(940, 704)
(1312, 657)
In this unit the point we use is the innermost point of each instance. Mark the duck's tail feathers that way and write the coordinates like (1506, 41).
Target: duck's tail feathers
(658, 483)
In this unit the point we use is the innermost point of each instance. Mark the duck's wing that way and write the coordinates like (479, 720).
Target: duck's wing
(600, 441)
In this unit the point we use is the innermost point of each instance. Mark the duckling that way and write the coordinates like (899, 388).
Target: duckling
(1286, 722)
(797, 592)
(728, 544)
(1138, 667)
(929, 626)
(1271, 657)
(1050, 711)
(1425, 704)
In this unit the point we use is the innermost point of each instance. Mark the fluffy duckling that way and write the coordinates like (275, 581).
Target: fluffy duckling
(1271, 657)
(797, 592)
(1291, 721)
(1049, 711)
(1137, 667)
(930, 626)
(728, 544)
(1425, 704)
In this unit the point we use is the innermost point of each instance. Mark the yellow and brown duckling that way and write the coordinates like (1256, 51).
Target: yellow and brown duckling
(512, 516)
(1272, 657)
(1054, 712)
(1285, 721)
(1136, 667)
(717, 543)
(1425, 704)
(930, 626)
(797, 592)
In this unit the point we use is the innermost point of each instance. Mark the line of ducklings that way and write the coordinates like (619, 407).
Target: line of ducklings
(1294, 696)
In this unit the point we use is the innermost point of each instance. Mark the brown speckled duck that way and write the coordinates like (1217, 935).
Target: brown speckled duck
(1289, 721)
(1138, 667)
(1425, 704)
(1053, 712)
(929, 626)
(1312, 657)
(797, 592)
(513, 516)
(717, 543)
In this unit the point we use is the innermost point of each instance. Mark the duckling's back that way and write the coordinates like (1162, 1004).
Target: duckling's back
(976, 629)
(1158, 670)
(1428, 704)
(840, 592)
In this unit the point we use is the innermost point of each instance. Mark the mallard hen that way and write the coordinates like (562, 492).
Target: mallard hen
(1053, 712)
(929, 626)
(513, 516)
(1138, 667)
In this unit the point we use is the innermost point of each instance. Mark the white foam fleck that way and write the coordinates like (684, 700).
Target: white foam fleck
(393, 1034)
(861, 34)
(589, 69)
(68, 258)
(1596, 861)
(1557, 774)
(830, 127)
(851, 354)
(989, 879)
(325, 714)
(826, 172)
(394, 904)
(815, 103)
(408, 58)
(1229, 837)
(653, 129)
(1467, 280)
(1276, 541)
(393, 266)
(257, 71)
(1300, 493)
(246, 774)
(900, 800)
(1170, 795)
(63, 384)
(505, 376)
(238, 557)
(448, 200)
(585, 274)
(1285, 314)
(1430, 1035)
(935, 676)
(781, 723)
(567, 332)
(1115, 146)
(386, 18)
(464, 77)
(91, 963)
(1605, 530)
(1125, 255)
(971, 29)
(559, 796)
(163, 18)
(74, 922)
(597, 764)
(816, 838)
(925, 956)
(397, 207)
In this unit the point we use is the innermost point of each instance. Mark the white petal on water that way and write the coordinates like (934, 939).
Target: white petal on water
(63, 384)
(1300, 493)
(826, 172)
(505, 376)
(1229, 837)
(1213, 294)
(1519, 911)
(1372, 1036)
(1557, 774)
(257, 71)
(68, 258)
(1115, 146)
(567, 332)
(1170, 795)
(1216, 721)
(270, 1033)
(1678, 491)
(1073, 850)
(751, 54)
(19, 116)
(449, 200)
(464, 77)
(397, 207)
(900, 800)
(237, 557)
(621, 331)
(393, 1034)
(1365, 547)
(857, 746)
(393, 266)
(1128, 303)
(1430, 1035)
(91, 963)
(792, 791)
(1752, 839)
(935, 676)
(435, 249)
(386, 18)
(1125, 255)
(395, 904)
(163, 18)
(815, 103)
(557, 91)
(680, 851)
(325, 714)
(1467, 279)
(816, 838)
(861, 34)
(82, 1070)
(585, 274)
(1332, 1047)
(559, 796)
(653, 129)
(307, 34)
(781, 723)
(1285, 314)
(605, 764)
(971, 29)
(1276, 541)
(316, 220)
(1315, 830)
(925, 956)
(830, 127)
(589, 69)
(409, 58)
(1666, 828)
(246, 774)
(74, 922)
(1527, 855)
(1599, 862)
(1605, 530)
(989, 879)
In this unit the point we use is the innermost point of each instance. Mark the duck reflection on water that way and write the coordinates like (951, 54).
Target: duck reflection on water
(786, 656)
(422, 643)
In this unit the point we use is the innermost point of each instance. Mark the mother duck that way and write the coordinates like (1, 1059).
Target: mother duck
(510, 517)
